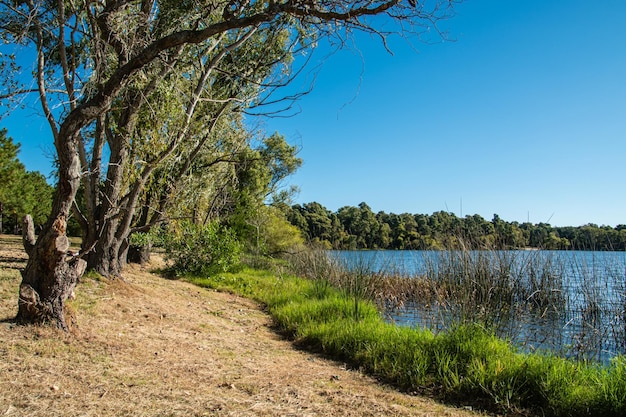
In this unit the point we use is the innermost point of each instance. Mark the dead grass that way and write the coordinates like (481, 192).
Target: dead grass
(155, 347)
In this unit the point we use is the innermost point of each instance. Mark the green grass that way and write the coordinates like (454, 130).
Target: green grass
(466, 364)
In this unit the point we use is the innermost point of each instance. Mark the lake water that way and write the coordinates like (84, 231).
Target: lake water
(589, 323)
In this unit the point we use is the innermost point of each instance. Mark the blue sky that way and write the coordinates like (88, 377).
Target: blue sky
(523, 115)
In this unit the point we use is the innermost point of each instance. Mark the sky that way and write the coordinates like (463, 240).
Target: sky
(521, 113)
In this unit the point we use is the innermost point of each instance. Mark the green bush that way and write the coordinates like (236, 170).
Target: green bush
(202, 249)
(153, 238)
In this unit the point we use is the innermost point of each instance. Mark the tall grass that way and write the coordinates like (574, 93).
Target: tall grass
(466, 363)
(505, 291)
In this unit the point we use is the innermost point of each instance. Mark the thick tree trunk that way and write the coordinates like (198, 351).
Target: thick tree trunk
(106, 256)
(50, 275)
(105, 260)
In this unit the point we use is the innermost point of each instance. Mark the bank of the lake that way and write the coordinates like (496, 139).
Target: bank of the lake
(569, 302)
(465, 364)
(150, 346)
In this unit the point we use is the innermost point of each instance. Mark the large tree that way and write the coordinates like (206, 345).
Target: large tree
(131, 86)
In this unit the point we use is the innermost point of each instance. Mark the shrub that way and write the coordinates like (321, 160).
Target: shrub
(202, 249)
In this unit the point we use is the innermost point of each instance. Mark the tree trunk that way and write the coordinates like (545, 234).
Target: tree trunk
(139, 254)
(50, 275)
(104, 258)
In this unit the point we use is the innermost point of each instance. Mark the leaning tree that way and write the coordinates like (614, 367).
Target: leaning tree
(132, 88)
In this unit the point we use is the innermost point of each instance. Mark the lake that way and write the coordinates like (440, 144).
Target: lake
(569, 302)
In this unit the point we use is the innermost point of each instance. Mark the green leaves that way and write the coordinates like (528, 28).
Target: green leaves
(204, 250)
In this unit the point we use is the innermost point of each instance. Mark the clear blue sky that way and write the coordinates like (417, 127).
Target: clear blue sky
(523, 115)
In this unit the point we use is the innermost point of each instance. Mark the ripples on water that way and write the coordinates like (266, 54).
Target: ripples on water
(589, 323)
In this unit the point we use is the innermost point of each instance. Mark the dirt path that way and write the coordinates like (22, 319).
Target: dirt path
(155, 347)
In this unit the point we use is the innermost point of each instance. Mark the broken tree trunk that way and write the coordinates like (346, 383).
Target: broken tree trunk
(50, 276)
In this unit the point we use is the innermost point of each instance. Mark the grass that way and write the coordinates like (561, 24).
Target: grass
(466, 364)
(562, 301)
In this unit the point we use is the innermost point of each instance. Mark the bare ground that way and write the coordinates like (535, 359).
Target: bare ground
(149, 346)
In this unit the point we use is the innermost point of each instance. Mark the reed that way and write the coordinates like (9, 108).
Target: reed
(596, 314)
(384, 285)
(492, 288)
(566, 302)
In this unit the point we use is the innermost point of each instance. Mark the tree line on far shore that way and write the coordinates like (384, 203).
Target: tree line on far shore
(361, 228)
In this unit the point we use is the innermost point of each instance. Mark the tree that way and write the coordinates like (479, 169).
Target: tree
(274, 235)
(349, 217)
(21, 192)
(259, 174)
(318, 221)
(102, 68)
(10, 172)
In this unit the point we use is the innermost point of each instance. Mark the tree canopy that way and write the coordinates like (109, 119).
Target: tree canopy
(21, 192)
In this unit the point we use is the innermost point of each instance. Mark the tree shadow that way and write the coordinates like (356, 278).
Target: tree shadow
(12, 259)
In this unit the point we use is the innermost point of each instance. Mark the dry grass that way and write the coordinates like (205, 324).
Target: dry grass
(155, 347)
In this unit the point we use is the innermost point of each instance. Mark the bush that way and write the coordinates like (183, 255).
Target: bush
(202, 249)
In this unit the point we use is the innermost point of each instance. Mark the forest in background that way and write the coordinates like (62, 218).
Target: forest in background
(361, 228)
(21, 191)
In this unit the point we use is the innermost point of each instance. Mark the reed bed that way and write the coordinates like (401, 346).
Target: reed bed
(540, 300)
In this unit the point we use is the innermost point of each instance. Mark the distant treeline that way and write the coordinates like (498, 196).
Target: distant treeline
(360, 228)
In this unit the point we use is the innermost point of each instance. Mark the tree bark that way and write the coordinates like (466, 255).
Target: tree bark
(50, 275)
(139, 254)
(105, 256)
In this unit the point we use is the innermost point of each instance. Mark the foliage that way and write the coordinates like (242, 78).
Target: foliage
(144, 96)
(155, 237)
(466, 364)
(21, 192)
(272, 234)
(203, 250)
(359, 228)
(258, 175)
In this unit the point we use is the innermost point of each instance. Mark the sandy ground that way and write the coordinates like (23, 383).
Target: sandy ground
(156, 347)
